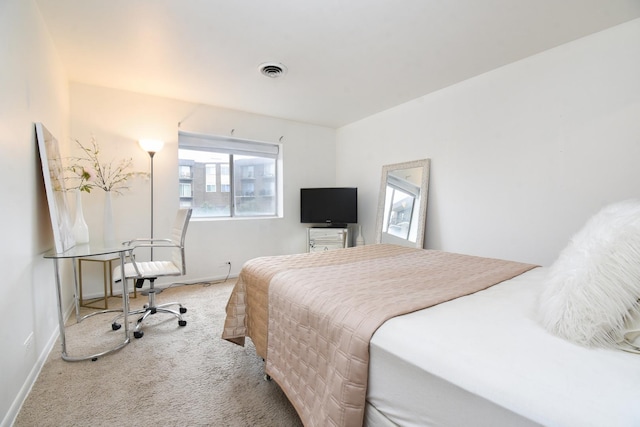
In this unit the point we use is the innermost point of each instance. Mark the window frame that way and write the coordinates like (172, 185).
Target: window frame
(236, 147)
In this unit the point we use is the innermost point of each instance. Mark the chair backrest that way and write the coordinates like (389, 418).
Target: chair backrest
(178, 234)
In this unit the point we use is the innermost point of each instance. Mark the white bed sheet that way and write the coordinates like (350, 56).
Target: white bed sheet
(484, 360)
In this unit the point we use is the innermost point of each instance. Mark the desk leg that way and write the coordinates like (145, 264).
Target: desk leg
(125, 312)
(63, 339)
(76, 295)
(125, 297)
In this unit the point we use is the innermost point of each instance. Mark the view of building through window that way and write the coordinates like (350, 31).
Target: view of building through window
(225, 184)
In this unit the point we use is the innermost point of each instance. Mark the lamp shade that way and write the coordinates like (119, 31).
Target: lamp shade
(151, 145)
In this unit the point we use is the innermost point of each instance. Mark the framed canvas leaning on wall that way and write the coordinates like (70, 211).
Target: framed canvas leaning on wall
(53, 173)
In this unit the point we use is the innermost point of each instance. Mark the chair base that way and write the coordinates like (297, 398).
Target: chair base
(152, 308)
(148, 311)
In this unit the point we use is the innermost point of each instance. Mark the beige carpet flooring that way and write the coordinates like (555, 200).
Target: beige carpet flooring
(172, 376)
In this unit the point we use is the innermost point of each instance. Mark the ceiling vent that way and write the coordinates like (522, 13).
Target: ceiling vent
(272, 69)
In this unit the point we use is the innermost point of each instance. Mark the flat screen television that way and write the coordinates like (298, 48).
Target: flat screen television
(334, 206)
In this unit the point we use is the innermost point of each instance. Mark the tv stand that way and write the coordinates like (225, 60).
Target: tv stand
(328, 237)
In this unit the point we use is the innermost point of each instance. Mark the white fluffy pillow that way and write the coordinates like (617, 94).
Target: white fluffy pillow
(594, 285)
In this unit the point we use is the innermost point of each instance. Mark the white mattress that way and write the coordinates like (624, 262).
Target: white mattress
(484, 360)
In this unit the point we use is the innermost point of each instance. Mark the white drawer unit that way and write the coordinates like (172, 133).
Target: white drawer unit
(327, 238)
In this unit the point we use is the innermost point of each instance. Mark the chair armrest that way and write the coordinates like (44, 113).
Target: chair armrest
(149, 242)
(134, 244)
(132, 241)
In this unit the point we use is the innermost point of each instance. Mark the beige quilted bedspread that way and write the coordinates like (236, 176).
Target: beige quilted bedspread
(247, 308)
(313, 315)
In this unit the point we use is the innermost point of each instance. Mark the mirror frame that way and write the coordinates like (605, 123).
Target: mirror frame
(424, 190)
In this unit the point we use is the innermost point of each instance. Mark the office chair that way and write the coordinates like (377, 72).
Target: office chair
(151, 270)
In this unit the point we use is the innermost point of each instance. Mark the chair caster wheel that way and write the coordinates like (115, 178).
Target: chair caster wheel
(183, 310)
(138, 334)
(115, 326)
(267, 377)
(182, 322)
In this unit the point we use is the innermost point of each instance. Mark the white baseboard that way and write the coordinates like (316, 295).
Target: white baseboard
(14, 410)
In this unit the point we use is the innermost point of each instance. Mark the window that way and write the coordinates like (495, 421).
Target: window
(185, 189)
(225, 179)
(185, 172)
(228, 177)
(210, 178)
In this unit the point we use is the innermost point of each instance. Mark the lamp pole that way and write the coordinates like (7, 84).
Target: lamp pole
(151, 154)
(151, 146)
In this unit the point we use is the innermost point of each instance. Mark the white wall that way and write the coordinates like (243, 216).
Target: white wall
(118, 119)
(34, 89)
(520, 156)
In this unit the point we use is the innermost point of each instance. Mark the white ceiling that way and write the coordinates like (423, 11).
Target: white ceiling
(346, 59)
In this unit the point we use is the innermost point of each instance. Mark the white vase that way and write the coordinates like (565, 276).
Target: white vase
(109, 231)
(80, 228)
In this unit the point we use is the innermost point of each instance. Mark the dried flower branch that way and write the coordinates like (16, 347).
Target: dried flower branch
(89, 172)
(82, 178)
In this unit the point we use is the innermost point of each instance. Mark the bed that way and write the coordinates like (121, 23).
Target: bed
(484, 360)
(471, 353)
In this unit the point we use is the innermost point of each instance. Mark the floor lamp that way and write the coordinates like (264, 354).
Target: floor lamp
(151, 146)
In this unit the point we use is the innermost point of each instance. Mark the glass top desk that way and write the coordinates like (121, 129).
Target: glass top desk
(82, 251)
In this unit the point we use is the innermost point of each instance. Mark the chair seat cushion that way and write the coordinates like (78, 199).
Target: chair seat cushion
(147, 269)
